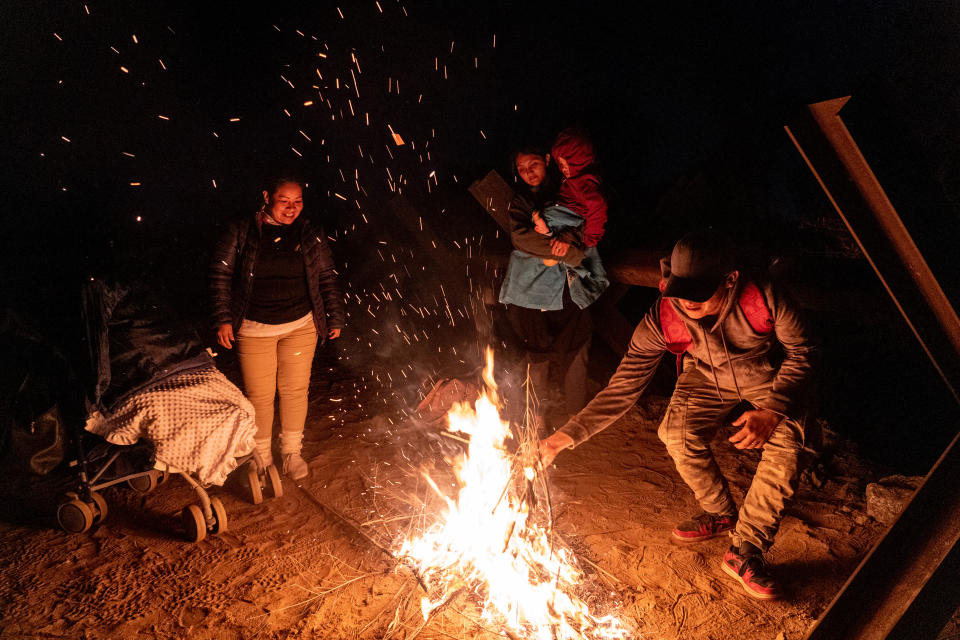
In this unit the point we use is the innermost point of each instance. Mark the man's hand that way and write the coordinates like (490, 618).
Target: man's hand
(333, 334)
(550, 447)
(550, 263)
(558, 247)
(225, 335)
(757, 425)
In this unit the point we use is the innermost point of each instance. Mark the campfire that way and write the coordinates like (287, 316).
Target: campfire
(494, 543)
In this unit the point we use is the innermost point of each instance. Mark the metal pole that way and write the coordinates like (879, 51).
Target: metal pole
(855, 193)
(896, 592)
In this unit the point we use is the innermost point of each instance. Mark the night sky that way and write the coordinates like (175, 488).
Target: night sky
(134, 129)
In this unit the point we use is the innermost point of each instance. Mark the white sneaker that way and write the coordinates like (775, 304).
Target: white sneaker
(295, 467)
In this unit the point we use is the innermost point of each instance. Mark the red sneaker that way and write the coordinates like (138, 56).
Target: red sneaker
(750, 570)
(703, 527)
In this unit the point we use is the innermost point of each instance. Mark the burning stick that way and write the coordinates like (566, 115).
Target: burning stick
(494, 541)
(356, 528)
(490, 542)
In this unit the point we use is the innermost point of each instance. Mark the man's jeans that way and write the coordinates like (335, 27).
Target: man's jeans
(692, 419)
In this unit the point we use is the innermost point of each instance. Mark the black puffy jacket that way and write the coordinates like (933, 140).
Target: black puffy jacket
(232, 266)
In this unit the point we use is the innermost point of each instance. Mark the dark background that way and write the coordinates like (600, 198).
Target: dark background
(686, 102)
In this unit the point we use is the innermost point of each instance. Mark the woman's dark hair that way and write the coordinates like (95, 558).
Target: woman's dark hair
(274, 183)
(526, 149)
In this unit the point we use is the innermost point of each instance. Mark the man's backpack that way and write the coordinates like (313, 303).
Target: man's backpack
(677, 336)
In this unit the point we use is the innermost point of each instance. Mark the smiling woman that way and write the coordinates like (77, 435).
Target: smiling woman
(274, 292)
(285, 203)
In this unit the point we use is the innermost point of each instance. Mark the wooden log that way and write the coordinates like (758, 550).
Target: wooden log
(636, 267)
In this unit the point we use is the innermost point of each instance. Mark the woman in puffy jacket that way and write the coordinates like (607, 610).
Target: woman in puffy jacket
(274, 292)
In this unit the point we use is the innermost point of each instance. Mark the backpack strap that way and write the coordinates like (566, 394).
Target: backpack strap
(677, 336)
(754, 306)
(675, 332)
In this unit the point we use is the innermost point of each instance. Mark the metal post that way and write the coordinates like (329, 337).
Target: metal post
(897, 591)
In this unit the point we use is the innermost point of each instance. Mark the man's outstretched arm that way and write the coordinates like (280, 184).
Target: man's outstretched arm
(631, 378)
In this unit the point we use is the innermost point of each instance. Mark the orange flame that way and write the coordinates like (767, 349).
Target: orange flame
(487, 544)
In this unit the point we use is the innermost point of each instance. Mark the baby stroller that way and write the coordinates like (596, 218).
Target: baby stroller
(161, 407)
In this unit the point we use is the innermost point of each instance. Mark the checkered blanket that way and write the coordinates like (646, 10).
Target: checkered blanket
(198, 421)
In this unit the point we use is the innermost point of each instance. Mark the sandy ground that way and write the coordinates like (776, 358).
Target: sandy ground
(288, 569)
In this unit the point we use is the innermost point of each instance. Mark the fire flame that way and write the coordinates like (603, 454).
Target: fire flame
(487, 544)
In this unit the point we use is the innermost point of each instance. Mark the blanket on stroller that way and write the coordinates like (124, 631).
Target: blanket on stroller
(198, 421)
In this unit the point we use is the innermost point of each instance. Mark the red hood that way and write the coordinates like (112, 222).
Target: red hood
(575, 147)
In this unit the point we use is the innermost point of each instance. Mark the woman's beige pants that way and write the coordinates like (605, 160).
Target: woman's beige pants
(279, 364)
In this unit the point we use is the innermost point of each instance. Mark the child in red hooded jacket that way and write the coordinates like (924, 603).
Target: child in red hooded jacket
(575, 218)
(580, 191)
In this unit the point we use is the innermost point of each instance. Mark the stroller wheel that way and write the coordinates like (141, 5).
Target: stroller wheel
(219, 514)
(273, 482)
(75, 516)
(145, 483)
(253, 479)
(194, 523)
(101, 505)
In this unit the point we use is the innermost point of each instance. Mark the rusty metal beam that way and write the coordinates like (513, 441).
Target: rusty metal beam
(897, 591)
(855, 193)
(905, 588)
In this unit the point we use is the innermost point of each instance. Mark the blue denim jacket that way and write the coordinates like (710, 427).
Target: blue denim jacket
(532, 284)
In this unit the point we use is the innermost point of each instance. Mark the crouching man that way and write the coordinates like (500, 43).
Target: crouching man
(743, 354)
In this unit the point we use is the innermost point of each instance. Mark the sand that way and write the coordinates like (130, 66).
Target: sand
(287, 569)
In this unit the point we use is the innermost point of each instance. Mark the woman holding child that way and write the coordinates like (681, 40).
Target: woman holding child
(555, 271)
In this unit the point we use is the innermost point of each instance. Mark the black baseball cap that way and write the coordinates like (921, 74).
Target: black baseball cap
(699, 263)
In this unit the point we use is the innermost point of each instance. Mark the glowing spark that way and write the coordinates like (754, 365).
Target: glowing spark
(396, 136)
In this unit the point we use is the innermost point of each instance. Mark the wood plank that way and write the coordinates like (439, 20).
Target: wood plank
(637, 267)
(494, 195)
